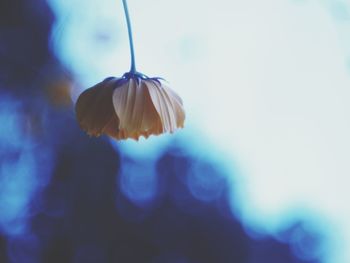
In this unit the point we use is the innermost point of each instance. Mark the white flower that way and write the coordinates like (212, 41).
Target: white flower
(129, 107)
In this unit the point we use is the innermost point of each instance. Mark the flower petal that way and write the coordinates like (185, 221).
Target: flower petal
(94, 109)
(168, 105)
(135, 110)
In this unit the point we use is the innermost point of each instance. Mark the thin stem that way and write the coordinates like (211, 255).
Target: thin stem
(132, 53)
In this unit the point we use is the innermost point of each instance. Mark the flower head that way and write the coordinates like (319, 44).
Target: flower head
(129, 107)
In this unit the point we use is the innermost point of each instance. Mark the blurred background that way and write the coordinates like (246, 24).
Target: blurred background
(260, 173)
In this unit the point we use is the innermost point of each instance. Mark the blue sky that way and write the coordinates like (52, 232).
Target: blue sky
(264, 82)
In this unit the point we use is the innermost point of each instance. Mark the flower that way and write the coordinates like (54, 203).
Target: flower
(129, 107)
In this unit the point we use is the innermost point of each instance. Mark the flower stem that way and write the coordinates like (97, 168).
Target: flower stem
(132, 53)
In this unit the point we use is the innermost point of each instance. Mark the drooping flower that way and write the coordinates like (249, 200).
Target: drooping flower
(129, 107)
